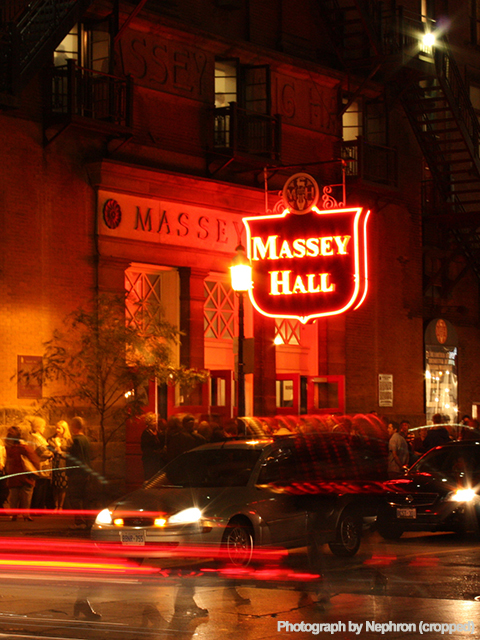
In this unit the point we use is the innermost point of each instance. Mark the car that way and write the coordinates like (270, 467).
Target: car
(240, 494)
(440, 492)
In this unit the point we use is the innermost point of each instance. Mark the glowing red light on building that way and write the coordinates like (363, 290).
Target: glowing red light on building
(308, 266)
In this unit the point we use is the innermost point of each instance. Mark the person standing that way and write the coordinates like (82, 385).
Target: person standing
(44, 477)
(414, 444)
(182, 436)
(437, 435)
(397, 451)
(60, 444)
(152, 444)
(3, 476)
(79, 470)
(19, 482)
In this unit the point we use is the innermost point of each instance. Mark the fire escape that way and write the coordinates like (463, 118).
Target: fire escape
(371, 40)
(29, 34)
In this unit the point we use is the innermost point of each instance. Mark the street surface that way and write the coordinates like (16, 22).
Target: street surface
(432, 579)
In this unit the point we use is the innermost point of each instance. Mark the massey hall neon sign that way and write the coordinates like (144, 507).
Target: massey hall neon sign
(307, 263)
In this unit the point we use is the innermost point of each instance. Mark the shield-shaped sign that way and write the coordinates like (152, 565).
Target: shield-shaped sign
(309, 266)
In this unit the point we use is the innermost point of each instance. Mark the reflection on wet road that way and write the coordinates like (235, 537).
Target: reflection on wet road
(422, 577)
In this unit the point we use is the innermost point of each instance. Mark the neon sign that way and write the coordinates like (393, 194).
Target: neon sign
(308, 264)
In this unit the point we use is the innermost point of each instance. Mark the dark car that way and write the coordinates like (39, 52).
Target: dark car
(440, 492)
(240, 494)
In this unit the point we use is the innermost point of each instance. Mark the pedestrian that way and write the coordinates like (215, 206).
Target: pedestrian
(3, 476)
(182, 436)
(20, 482)
(397, 451)
(414, 444)
(60, 444)
(437, 435)
(79, 470)
(152, 444)
(43, 480)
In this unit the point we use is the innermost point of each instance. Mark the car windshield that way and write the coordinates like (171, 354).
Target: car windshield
(450, 462)
(208, 468)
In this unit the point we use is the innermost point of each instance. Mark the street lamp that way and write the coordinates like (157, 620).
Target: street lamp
(241, 276)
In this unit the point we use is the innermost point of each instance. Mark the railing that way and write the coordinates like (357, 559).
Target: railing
(244, 131)
(90, 94)
(403, 30)
(371, 162)
(459, 98)
(10, 10)
(36, 25)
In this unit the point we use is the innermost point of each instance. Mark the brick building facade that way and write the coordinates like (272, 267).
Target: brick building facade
(135, 138)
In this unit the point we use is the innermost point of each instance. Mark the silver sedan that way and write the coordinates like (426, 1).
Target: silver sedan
(234, 495)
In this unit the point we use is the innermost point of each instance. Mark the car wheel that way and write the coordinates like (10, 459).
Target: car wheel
(348, 536)
(238, 542)
(389, 530)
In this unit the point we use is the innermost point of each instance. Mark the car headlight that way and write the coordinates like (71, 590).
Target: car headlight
(463, 495)
(104, 517)
(193, 514)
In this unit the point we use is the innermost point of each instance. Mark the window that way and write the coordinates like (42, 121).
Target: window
(287, 331)
(285, 393)
(219, 310)
(243, 119)
(82, 81)
(280, 466)
(352, 121)
(225, 83)
(88, 45)
(376, 122)
(143, 298)
(368, 119)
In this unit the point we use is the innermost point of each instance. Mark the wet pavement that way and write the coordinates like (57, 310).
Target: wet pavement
(422, 585)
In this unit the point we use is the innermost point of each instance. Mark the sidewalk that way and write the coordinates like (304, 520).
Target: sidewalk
(44, 523)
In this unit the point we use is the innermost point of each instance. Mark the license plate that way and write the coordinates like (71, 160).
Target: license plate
(406, 513)
(134, 538)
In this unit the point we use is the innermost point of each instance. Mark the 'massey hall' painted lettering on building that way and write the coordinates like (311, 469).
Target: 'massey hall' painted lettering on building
(308, 266)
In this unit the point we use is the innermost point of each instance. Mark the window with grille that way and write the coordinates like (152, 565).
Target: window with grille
(219, 310)
(143, 298)
(287, 331)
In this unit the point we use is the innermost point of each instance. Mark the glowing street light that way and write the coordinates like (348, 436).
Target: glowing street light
(429, 39)
(241, 278)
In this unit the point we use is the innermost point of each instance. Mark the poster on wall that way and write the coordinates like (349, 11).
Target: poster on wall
(385, 390)
(29, 387)
(441, 383)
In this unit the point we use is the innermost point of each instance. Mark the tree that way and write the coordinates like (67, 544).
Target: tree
(103, 362)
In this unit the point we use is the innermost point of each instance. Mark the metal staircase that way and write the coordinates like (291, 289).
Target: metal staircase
(29, 33)
(447, 129)
(435, 100)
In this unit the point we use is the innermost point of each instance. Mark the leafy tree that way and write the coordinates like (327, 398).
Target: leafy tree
(99, 360)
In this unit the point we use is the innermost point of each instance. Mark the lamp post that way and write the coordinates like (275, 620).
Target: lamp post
(241, 277)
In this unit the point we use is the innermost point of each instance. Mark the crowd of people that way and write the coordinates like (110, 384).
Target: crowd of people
(406, 446)
(162, 440)
(39, 472)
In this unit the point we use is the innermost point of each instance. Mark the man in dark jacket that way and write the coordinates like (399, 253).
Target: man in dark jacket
(185, 438)
(437, 435)
(78, 470)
